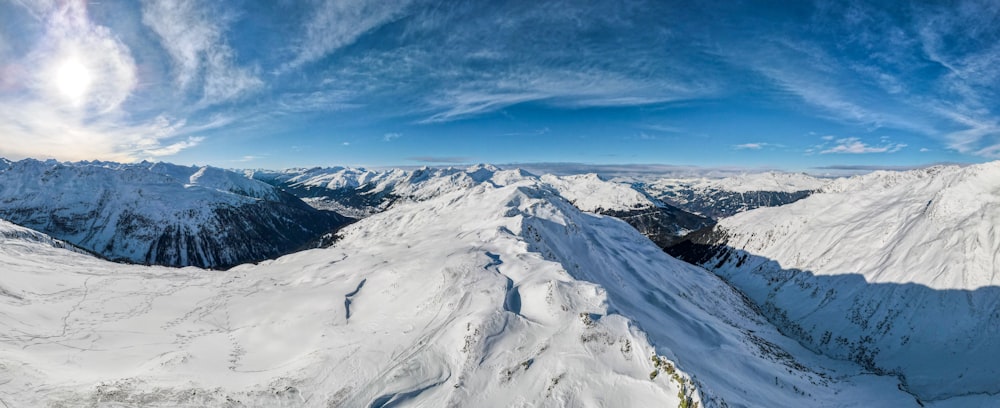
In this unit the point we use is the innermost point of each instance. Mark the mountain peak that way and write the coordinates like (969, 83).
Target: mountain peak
(887, 269)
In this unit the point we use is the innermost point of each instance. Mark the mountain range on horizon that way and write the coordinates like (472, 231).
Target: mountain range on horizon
(493, 287)
(517, 204)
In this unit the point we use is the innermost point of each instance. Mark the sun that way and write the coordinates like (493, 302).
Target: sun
(73, 79)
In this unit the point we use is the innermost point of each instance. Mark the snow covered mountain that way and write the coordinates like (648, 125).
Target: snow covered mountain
(361, 193)
(502, 294)
(662, 223)
(898, 271)
(723, 197)
(347, 191)
(158, 213)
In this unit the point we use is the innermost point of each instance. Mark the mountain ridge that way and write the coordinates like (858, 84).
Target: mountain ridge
(496, 295)
(159, 213)
(895, 270)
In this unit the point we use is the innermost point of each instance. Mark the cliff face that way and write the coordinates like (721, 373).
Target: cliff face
(156, 213)
(897, 271)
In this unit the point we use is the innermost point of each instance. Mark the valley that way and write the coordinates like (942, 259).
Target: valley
(491, 287)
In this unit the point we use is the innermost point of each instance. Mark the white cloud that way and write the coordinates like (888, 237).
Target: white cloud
(853, 145)
(536, 132)
(446, 61)
(924, 150)
(33, 130)
(248, 158)
(811, 88)
(662, 128)
(477, 95)
(338, 23)
(175, 148)
(978, 136)
(869, 91)
(458, 104)
(193, 36)
(39, 118)
(71, 40)
(317, 101)
(758, 146)
(388, 137)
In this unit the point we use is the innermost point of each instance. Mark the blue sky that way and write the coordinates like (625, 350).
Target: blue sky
(282, 83)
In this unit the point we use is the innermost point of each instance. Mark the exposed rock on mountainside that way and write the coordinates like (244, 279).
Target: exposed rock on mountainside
(502, 294)
(898, 271)
(362, 193)
(158, 213)
(724, 197)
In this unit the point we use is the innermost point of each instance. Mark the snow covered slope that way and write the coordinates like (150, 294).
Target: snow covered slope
(896, 270)
(345, 190)
(589, 192)
(766, 181)
(662, 223)
(158, 213)
(722, 197)
(496, 295)
(361, 193)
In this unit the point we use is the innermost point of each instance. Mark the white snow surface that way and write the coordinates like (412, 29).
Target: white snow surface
(935, 227)
(494, 295)
(591, 193)
(901, 267)
(744, 183)
(588, 191)
(328, 177)
(121, 210)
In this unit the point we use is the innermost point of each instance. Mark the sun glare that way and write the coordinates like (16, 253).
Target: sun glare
(73, 79)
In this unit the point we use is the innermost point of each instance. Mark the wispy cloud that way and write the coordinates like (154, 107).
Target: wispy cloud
(290, 103)
(819, 82)
(555, 87)
(456, 105)
(853, 145)
(197, 66)
(536, 132)
(173, 149)
(446, 70)
(758, 146)
(70, 105)
(661, 128)
(970, 84)
(338, 23)
(927, 71)
(248, 158)
(192, 33)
